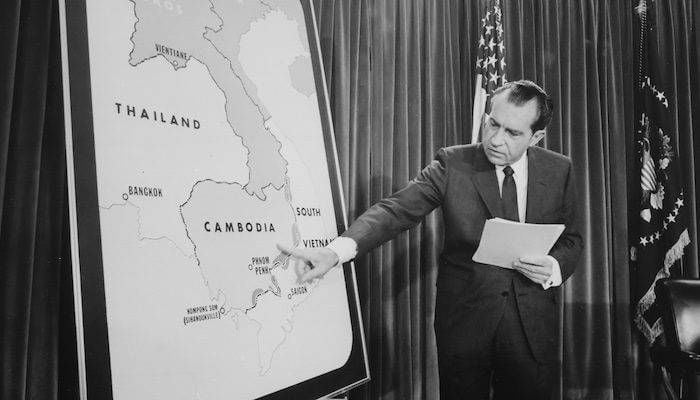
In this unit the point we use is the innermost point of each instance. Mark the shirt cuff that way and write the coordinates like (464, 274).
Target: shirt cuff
(344, 247)
(555, 278)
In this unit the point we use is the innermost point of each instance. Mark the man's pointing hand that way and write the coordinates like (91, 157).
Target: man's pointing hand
(315, 263)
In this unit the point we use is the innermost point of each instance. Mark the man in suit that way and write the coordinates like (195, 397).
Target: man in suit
(494, 326)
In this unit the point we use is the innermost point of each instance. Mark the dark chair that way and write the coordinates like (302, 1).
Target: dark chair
(679, 300)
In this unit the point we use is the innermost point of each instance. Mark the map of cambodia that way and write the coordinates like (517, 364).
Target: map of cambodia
(224, 235)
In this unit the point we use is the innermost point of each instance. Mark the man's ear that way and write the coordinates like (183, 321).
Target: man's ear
(536, 137)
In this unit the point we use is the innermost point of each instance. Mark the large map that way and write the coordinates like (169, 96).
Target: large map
(209, 151)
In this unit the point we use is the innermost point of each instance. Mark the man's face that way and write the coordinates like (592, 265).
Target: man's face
(506, 133)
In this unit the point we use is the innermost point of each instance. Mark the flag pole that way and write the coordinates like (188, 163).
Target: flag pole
(477, 109)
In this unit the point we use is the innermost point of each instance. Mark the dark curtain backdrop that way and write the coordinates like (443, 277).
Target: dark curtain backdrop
(400, 75)
(37, 339)
(401, 79)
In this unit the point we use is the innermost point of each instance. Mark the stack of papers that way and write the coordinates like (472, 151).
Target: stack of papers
(504, 241)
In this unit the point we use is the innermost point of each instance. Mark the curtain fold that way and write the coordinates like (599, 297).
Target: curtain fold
(37, 339)
(396, 97)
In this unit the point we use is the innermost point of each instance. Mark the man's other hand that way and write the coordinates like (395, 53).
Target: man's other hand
(536, 268)
(315, 263)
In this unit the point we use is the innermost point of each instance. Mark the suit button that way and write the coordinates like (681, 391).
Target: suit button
(504, 293)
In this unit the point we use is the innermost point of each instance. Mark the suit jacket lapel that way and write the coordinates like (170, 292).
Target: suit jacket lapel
(486, 184)
(536, 186)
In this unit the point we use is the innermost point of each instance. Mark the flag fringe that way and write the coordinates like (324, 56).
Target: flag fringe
(649, 332)
(672, 255)
(676, 252)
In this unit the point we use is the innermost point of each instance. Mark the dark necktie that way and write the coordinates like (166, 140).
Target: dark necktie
(509, 196)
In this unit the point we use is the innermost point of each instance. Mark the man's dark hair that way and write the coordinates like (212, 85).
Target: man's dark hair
(522, 91)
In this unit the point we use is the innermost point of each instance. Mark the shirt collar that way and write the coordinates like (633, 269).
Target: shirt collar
(519, 167)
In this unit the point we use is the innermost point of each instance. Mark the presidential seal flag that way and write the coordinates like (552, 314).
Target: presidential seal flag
(660, 233)
(490, 63)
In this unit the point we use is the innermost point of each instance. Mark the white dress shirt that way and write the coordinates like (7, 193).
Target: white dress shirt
(520, 177)
(346, 248)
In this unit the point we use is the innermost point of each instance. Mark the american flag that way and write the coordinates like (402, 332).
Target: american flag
(491, 62)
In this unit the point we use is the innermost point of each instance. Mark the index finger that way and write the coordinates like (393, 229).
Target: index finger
(310, 275)
(292, 251)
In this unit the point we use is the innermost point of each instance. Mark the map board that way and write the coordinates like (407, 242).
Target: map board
(198, 137)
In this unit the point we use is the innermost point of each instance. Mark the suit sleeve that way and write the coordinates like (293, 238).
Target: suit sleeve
(567, 248)
(403, 209)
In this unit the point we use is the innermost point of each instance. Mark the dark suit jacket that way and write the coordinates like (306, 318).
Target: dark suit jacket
(470, 295)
